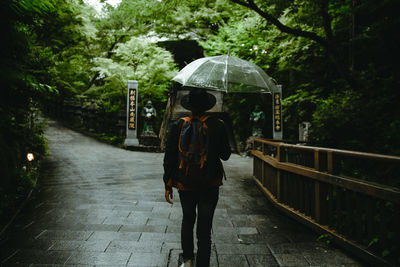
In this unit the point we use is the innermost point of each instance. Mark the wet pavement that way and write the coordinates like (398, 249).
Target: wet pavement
(99, 205)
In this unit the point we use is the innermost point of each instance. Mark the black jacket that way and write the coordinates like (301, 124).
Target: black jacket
(218, 148)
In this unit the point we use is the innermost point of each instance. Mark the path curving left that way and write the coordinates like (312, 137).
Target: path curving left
(98, 205)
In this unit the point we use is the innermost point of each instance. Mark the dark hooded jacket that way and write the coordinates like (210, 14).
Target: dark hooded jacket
(218, 148)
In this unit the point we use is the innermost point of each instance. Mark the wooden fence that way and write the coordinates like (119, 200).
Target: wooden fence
(351, 198)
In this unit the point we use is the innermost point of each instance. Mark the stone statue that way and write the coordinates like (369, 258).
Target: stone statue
(149, 113)
(257, 118)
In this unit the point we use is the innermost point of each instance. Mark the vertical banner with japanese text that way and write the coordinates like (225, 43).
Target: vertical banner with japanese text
(277, 113)
(132, 109)
(131, 116)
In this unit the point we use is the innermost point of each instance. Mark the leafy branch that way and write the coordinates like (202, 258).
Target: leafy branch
(326, 42)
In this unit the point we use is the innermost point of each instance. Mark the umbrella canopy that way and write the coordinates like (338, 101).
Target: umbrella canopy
(226, 73)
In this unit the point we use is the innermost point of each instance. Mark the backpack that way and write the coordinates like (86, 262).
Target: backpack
(192, 147)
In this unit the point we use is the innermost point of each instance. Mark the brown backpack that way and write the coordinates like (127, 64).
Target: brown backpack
(193, 141)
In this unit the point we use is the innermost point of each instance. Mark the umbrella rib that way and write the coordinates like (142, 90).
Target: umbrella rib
(209, 74)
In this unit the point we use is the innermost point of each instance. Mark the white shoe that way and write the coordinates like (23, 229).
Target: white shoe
(188, 263)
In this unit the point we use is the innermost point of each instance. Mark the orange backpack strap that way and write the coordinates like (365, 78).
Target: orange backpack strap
(204, 118)
(203, 154)
(185, 120)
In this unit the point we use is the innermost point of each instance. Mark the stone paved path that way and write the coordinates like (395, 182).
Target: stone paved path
(103, 206)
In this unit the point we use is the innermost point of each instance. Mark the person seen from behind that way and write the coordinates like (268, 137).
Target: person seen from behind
(192, 164)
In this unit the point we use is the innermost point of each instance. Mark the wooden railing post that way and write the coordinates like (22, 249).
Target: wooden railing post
(317, 202)
(316, 160)
(321, 204)
(321, 191)
(329, 160)
(316, 190)
(278, 153)
(278, 174)
(263, 165)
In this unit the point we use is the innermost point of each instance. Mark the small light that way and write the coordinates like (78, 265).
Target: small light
(30, 157)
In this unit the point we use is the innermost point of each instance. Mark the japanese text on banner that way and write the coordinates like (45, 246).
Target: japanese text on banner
(132, 109)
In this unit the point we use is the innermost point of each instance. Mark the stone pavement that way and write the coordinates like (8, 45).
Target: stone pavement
(99, 205)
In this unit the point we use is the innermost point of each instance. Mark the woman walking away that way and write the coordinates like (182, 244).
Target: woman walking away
(192, 164)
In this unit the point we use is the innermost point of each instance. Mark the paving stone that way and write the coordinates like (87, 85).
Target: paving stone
(64, 235)
(277, 238)
(162, 209)
(98, 245)
(314, 247)
(235, 230)
(124, 208)
(242, 249)
(221, 238)
(102, 227)
(82, 219)
(28, 256)
(246, 230)
(150, 214)
(107, 235)
(286, 248)
(14, 242)
(222, 221)
(163, 222)
(126, 221)
(261, 260)
(99, 258)
(110, 213)
(160, 237)
(148, 259)
(291, 260)
(232, 260)
(173, 229)
(329, 258)
(82, 227)
(175, 216)
(152, 204)
(254, 239)
(242, 221)
(130, 246)
(167, 247)
(144, 228)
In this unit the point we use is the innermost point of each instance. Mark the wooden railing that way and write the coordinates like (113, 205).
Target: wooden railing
(351, 198)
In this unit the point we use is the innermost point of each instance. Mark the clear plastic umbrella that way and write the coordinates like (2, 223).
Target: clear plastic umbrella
(226, 73)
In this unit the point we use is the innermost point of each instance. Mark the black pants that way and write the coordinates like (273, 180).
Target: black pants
(206, 202)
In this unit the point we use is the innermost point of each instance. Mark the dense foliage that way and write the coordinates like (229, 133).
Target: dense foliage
(26, 53)
(336, 63)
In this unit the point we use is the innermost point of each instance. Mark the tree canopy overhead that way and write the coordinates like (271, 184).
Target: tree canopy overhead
(336, 62)
(335, 59)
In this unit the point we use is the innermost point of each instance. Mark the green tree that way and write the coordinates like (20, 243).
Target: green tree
(335, 60)
(137, 60)
(152, 66)
(28, 51)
